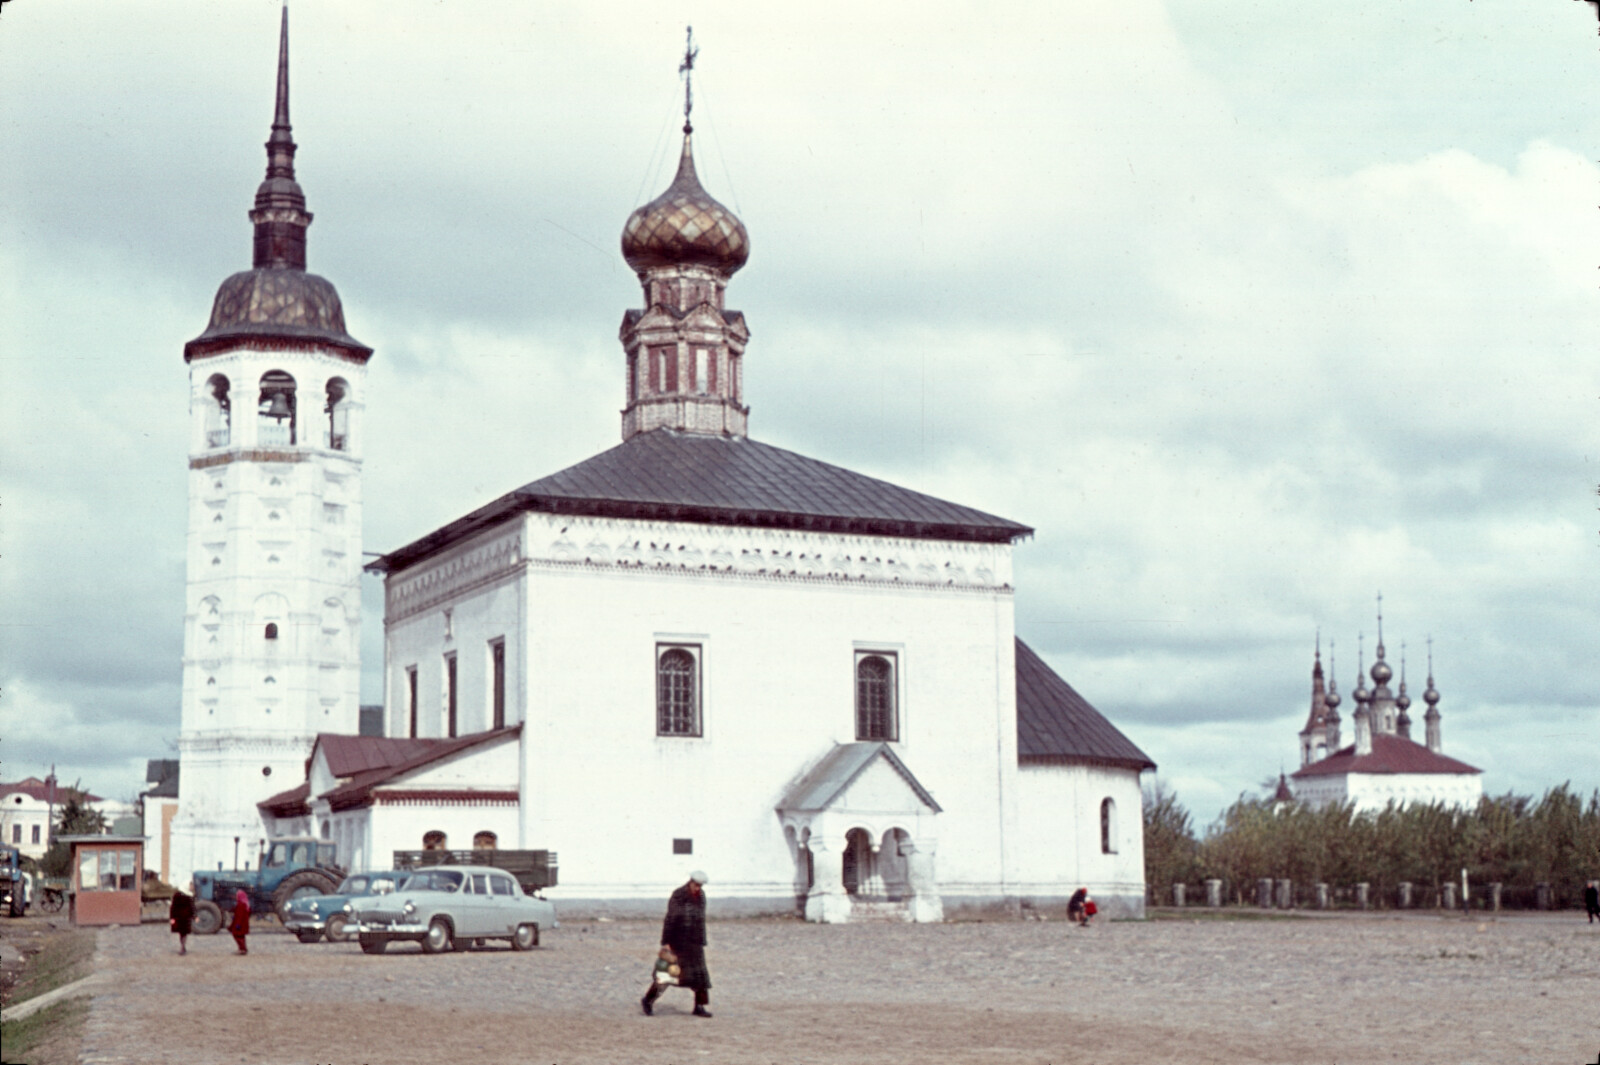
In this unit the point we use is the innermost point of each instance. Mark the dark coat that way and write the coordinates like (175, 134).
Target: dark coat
(1591, 899)
(182, 913)
(240, 925)
(684, 930)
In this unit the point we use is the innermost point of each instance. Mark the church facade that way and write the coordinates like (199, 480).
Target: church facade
(694, 650)
(1382, 764)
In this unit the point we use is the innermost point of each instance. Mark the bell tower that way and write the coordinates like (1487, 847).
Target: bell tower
(271, 646)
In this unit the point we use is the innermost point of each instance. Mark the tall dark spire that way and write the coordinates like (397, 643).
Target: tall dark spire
(280, 214)
(686, 68)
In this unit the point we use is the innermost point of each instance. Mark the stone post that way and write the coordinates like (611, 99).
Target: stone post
(1403, 900)
(1322, 896)
(1363, 891)
(1177, 894)
(1449, 901)
(1264, 893)
(1494, 896)
(1213, 893)
(927, 907)
(1541, 896)
(1285, 894)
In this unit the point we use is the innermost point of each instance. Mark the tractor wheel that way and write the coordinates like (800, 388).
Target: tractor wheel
(305, 882)
(438, 938)
(207, 918)
(335, 930)
(374, 944)
(526, 937)
(52, 901)
(17, 903)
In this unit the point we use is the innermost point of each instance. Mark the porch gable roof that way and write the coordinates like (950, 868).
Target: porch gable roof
(839, 768)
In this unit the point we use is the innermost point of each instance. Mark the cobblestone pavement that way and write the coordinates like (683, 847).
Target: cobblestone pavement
(1346, 990)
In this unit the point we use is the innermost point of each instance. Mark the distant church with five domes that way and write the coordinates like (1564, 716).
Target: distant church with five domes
(1383, 764)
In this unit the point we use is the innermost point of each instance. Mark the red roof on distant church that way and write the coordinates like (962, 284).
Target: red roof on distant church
(1390, 754)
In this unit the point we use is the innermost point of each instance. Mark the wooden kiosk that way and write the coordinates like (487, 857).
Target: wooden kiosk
(106, 878)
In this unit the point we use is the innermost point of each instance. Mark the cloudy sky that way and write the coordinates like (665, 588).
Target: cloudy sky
(1252, 309)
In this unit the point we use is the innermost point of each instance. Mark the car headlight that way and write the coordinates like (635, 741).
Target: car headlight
(410, 908)
(349, 908)
(314, 909)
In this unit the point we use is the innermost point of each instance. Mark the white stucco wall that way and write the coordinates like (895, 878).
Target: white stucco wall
(1374, 791)
(592, 598)
(1060, 838)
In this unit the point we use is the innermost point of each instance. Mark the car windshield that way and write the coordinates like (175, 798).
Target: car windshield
(434, 880)
(353, 885)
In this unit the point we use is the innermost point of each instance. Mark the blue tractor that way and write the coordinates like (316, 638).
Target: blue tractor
(288, 869)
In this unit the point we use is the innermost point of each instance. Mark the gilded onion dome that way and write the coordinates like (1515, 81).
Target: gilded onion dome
(684, 226)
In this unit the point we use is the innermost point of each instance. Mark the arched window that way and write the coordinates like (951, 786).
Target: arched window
(272, 630)
(217, 411)
(338, 414)
(677, 691)
(485, 841)
(1108, 826)
(435, 841)
(276, 409)
(875, 716)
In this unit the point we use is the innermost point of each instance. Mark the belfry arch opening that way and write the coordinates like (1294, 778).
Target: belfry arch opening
(337, 411)
(218, 411)
(275, 413)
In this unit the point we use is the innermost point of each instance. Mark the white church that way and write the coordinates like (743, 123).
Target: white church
(693, 650)
(1383, 764)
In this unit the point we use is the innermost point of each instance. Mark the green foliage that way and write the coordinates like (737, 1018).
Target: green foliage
(1510, 839)
(1170, 847)
(74, 817)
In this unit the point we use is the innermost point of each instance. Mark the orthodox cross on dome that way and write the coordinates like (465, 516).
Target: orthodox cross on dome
(686, 68)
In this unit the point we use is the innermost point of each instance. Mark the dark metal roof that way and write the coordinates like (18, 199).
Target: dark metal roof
(357, 791)
(1390, 754)
(665, 475)
(842, 765)
(1055, 723)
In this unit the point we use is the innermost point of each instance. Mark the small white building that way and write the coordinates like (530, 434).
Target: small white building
(1384, 764)
(25, 811)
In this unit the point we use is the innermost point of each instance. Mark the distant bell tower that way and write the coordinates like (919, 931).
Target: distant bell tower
(273, 609)
(685, 349)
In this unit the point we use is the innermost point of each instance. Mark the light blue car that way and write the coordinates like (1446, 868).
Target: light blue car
(311, 917)
(450, 907)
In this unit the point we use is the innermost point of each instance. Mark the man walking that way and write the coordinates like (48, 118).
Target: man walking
(684, 930)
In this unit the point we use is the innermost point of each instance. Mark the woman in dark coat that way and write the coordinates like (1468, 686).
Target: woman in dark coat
(182, 918)
(684, 930)
(240, 925)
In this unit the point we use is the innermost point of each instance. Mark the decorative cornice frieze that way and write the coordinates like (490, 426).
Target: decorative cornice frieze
(413, 591)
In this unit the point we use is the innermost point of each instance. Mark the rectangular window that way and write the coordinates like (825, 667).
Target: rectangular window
(88, 870)
(683, 846)
(497, 683)
(36, 833)
(411, 699)
(127, 869)
(633, 376)
(16, 834)
(876, 690)
(671, 355)
(712, 358)
(450, 694)
(677, 689)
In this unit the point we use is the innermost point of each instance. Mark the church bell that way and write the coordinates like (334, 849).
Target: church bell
(278, 407)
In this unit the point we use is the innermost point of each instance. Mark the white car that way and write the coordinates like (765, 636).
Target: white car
(450, 907)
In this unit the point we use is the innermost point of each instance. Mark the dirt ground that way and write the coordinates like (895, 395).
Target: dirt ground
(1343, 990)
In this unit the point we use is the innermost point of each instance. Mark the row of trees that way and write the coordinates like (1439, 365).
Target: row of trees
(1510, 839)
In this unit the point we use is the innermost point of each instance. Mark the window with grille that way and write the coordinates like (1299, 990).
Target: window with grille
(875, 697)
(677, 690)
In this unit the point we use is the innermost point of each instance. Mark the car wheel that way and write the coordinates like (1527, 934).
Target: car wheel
(306, 936)
(335, 930)
(207, 918)
(438, 937)
(526, 937)
(374, 944)
(306, 882)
